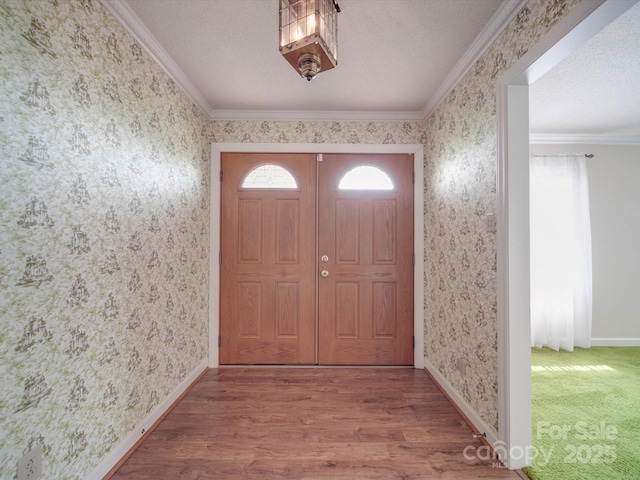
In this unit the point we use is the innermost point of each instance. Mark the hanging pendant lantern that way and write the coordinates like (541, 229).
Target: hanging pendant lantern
(309, 35)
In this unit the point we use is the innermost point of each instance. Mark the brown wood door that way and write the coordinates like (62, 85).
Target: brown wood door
(271, 270)
(267, 293)
(366, 238)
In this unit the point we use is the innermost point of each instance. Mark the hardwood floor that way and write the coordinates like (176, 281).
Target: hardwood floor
(304, 423)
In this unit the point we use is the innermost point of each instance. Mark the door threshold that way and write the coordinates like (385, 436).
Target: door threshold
(310, 365)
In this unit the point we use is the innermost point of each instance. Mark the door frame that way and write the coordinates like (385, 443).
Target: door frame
(514, 321)
(418, 225)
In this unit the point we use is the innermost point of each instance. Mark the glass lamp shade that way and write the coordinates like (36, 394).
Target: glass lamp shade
(309, 35)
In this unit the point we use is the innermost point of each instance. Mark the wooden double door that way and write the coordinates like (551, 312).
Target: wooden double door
(316, 259)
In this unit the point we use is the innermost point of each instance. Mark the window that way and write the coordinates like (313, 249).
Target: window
(269, 176)
(365, 178)
(560, 239)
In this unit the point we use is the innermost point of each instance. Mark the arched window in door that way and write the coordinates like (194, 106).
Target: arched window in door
(269, 176)
(365, 177)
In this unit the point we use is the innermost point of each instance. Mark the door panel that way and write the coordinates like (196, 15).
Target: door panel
(250, 230)
(271, 270)
(384, 232)
(267, 308)
(366, 301)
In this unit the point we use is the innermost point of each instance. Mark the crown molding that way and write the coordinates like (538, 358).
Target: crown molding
(132, 23)
(581, 139)
(489, 34)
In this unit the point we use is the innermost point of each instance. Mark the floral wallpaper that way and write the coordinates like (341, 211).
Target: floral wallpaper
(104, 234)
(317, 132)
(104, 226)
(460, 190)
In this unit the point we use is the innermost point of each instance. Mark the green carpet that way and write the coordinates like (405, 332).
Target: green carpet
(586, 413)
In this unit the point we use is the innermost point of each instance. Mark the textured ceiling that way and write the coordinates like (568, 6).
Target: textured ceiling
(392, 54)
(595, 92)
(396, 60)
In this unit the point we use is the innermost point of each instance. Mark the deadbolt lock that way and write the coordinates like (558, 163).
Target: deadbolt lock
(324, 258)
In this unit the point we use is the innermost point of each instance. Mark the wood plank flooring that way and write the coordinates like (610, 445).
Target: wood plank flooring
(311, 423)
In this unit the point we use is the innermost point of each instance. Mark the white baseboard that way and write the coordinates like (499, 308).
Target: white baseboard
(615, 342)
(115, 455)
(470, 413)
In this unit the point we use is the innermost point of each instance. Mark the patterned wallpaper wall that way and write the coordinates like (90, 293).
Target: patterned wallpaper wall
(317, 132)
(460, 189)
(104, 234)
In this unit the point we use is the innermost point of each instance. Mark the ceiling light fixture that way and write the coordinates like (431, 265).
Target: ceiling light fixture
(309, 35)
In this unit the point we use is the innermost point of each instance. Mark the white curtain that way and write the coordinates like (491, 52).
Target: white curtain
(561, 287)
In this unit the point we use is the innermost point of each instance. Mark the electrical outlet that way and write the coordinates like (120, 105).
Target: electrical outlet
(491, 223)
(461, 366)
(30, 465)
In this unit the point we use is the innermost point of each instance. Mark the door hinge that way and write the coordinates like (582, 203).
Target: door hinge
(413, 177)
(220, 175)
(220, 258)
(413, 259)
(219, 341)
(414, 342)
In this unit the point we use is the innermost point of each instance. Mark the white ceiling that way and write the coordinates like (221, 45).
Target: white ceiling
(595, 92)
(393, 55)
(397, 59)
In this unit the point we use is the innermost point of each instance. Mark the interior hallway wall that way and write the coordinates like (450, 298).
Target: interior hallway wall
(113, 341)
(340, 132)
(104, 237)
(614, 198)
(460, 190)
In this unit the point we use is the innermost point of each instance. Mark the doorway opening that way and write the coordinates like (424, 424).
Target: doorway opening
(512, 95)
(418, 222)
(316, 264)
